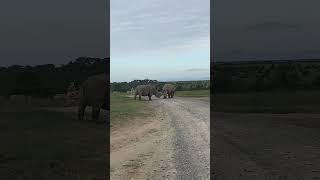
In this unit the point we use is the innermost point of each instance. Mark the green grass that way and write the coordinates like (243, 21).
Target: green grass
(194, 93)
(123, 108)
(276, 102)
(40, 144)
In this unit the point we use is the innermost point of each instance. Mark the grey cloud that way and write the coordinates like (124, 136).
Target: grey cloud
(253, 30)
(39, 32)
(158, 26)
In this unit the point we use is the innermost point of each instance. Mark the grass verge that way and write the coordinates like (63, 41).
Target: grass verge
(123, 108)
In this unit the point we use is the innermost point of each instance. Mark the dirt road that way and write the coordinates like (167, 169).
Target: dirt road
(266, 146)
(173, 144)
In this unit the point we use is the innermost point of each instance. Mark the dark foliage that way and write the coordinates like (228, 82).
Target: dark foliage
(265, 76)
(47, 80)
(180, 85)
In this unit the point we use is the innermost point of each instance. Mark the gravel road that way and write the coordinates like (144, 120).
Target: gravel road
(190, 120)
(174, 144)
(266, 146)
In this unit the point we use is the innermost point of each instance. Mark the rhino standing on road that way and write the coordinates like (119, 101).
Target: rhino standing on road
(146, 90)
(94, 92)
(168, 89)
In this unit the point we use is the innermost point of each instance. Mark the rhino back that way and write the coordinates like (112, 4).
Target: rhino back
(169, 88)
(145, 90)
(95, 89)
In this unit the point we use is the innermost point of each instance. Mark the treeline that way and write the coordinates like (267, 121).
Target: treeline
(48, 79)
(180, 85)
(265, 76)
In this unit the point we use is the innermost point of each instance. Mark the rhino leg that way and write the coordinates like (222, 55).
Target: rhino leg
(81, 109)
(105, 105)
(149, 97)
(95, 113)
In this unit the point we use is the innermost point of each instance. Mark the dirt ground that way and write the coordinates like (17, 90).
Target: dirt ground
(173, 144)
(266, 146)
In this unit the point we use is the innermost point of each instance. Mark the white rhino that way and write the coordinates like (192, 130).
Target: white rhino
(168, 89)
(146, 90)
(94, 92)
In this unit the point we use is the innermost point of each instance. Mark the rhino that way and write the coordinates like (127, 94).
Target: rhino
(94, 92)
(168, 89)
(146, 90)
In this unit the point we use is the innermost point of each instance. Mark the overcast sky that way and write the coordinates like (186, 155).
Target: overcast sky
(160, 39)
(56, 31)
(269, 29)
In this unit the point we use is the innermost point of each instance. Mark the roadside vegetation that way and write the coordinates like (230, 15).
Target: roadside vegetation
(124, 108)
(266, 87)
(268, 76)
(180, 85)
(48, 79)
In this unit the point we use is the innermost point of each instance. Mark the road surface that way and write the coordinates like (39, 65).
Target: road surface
(266, 146)
(173, 144)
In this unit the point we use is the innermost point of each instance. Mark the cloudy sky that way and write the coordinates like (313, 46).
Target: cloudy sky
(160, 39)
(42, 31)
(262, 30)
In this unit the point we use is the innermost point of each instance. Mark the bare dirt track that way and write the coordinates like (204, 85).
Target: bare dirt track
(173, 144)
(266, 146)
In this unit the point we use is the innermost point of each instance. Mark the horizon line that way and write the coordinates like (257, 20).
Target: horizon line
(160, 80)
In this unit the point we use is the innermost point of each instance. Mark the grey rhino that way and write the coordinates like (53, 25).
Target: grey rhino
(146, 90)
(168, 89)
(94, 92)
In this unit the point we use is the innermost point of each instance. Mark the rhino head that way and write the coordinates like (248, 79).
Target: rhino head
(158, 94)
